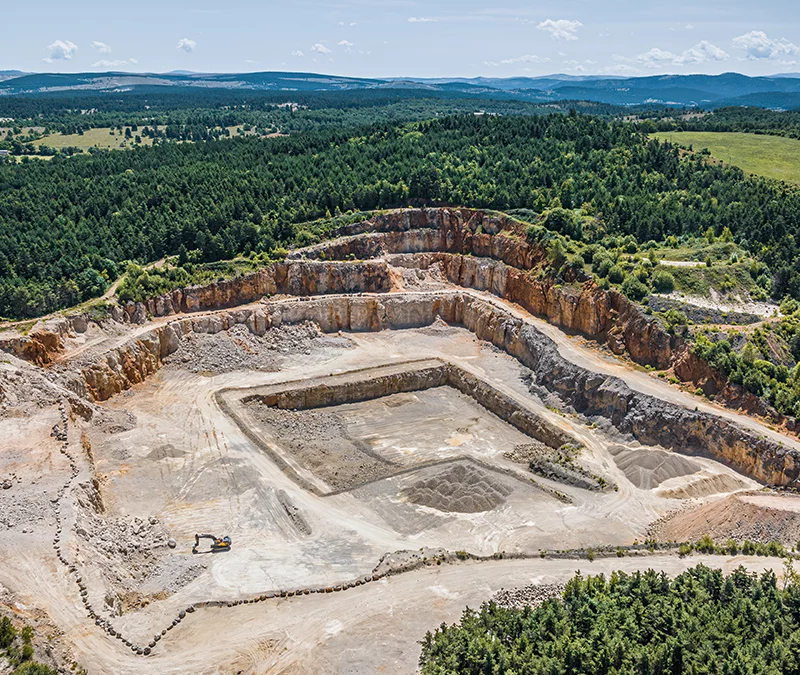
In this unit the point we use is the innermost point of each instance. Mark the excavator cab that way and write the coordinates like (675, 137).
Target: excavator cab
(217, 544)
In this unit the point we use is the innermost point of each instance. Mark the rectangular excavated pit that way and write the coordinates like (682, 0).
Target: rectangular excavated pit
(336, 433)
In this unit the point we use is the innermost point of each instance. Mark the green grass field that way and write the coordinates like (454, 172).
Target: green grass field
(770, 156)
(97, 138)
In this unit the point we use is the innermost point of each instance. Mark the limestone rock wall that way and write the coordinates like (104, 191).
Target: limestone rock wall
(647, 418)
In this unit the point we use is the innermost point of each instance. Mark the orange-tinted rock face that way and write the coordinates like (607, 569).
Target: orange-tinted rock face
(475, 249)
(488, 251)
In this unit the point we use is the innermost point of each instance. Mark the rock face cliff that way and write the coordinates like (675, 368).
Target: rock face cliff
(475, 249)
(489, 251)
(646, 418)
(299, 278)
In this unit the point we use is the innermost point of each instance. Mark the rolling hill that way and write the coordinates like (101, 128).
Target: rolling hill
(708, 91)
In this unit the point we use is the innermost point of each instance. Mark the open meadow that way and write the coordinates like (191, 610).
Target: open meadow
(770, 156)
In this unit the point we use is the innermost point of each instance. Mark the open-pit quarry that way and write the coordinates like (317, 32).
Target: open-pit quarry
(390, 426)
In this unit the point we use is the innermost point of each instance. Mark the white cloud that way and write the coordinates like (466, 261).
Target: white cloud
(702, 52)
(348, 46)
(525, 58)
(101, 47)
(116, 63)
(297, 52)
(561, 29)
(320, 48)
(61, 50)
(619, 68)
(186, 45)
(421, 19)
(757, 45)
(575, 66)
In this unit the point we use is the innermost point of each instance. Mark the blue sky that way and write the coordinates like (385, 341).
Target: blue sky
(436, 38)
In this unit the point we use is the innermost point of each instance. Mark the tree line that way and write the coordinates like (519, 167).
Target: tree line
(702, 622)
(66, 225)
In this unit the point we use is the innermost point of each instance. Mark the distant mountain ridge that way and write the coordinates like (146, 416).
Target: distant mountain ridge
(778, 91)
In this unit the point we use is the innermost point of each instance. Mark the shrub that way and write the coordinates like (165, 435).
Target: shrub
(602, 266)
(663, 281)
(616, 275)
(788, 306)
(634, 288)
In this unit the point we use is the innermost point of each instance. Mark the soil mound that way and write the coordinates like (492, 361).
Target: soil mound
(761, 518)
(461, 488)
(703, 487)
(319, 441)
(647, 469)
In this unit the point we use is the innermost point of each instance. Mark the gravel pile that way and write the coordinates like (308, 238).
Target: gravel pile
(556, 465)
(239, 349)
(319, 441)
(234, 349)
(461, 488)
(301, 425)
(23, 506)
(23, 390)
(122, 539)
(527, 596)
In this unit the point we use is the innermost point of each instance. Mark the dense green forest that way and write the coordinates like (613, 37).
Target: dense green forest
(65, 225)
(199, 116)
(700, 623)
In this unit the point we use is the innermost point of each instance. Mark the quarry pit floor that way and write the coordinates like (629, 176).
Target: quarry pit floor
(433, 473)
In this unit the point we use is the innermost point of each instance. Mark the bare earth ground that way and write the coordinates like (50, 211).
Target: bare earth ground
(433, 472)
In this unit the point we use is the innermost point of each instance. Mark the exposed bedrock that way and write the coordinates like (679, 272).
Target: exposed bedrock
(300, 278)
(489, 251)
(647, 418)
(476, 249)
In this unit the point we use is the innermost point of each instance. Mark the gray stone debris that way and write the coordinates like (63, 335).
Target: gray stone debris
(527, 596)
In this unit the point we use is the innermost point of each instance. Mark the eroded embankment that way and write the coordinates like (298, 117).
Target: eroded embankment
(650, 420)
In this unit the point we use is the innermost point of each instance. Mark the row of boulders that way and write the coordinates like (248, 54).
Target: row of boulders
(139, 527)
(297, 592)
(532, 595)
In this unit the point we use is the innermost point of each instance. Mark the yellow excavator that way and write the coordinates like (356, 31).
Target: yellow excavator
(217, 544)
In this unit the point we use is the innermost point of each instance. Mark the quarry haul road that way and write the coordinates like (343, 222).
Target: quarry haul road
(363, 631)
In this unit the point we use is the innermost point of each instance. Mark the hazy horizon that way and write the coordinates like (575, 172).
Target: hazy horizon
(410, 77)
